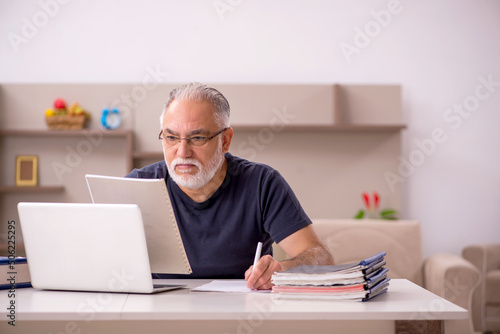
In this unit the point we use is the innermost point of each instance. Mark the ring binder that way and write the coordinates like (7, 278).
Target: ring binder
(165, 247)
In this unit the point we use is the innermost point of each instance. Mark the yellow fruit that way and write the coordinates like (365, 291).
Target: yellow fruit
(49, 112)
(77, 110)
(73, 107)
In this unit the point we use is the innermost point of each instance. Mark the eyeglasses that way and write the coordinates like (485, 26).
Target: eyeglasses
(194, 140)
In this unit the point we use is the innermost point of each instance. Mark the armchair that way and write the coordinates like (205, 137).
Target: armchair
(446, 275)
(486, 299)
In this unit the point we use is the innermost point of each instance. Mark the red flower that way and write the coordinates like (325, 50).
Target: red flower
(376, 200)
(366, 199)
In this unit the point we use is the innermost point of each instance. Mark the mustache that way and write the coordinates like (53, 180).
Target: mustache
(182, 161)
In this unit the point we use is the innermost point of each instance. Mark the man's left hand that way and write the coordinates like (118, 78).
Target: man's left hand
(259, 277)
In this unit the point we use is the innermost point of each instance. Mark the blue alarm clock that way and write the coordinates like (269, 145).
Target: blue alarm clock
(111, 119)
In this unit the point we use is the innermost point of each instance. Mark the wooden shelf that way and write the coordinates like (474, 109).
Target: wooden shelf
(357, 127)
(64, 133)
(31, 189)
(87, 133)
(332, 128)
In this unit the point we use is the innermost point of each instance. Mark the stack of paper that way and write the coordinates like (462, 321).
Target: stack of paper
(14, 273)
(359, 281)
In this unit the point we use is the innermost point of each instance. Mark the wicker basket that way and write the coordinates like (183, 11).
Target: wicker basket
(65, 122)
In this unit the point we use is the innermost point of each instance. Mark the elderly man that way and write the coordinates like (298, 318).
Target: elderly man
(225, 205)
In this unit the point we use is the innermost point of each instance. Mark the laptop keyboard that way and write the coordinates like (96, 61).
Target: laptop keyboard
(164, 285)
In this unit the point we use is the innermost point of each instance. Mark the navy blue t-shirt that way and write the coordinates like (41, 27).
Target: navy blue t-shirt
(220, 235)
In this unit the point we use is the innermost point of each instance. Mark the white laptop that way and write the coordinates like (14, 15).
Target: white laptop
(87, 247)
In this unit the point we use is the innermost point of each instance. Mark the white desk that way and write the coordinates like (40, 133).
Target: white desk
(211, 312)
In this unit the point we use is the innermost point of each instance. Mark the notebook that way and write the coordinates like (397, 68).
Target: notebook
(87, 247)
(165, 246)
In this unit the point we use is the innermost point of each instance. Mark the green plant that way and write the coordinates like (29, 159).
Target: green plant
(372, 211)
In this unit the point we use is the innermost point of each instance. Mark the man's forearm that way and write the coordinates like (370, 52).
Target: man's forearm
(317, 255)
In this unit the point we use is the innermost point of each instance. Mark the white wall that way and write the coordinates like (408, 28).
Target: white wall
(439, 51)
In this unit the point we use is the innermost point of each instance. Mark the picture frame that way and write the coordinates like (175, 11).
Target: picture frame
(27, 170)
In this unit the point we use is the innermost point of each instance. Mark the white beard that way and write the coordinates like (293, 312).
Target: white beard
(204, 175)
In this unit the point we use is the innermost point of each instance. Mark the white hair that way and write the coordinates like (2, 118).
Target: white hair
(198, 92)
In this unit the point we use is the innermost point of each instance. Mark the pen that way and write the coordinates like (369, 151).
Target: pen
(257, 254)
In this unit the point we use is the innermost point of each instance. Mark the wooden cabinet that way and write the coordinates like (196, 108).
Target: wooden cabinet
(330, 141)
(274, 109)
(64, 157)
(87, 141)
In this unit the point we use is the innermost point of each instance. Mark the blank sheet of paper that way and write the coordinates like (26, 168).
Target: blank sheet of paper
(226, 286)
